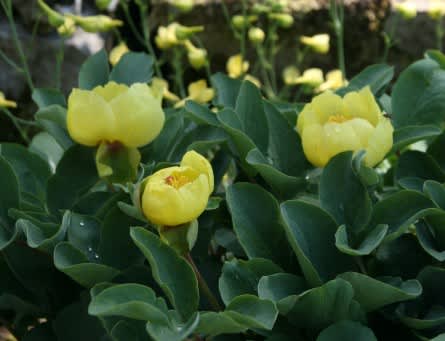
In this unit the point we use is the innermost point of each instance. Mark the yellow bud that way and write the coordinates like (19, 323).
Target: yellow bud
(166, 37)
(55, 19)
(236, 66)
(117, 52)
(256, 35)
(198, 92)
(290, 75)
(311, 77)
(407, 10)
(319, 42)
(4, 103)
(334, 81)
(260, 8)
(240, 21)
(159, 87)
(197, 58)
(284, 20)
(183, 5)
(96, 23)
(330, 125)
(102, 4)
(186, 32)
(436, 10)
(177, 195)
(68, 28)
(132, 116)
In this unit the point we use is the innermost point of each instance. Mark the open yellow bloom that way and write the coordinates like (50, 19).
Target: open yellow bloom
(96, 23)
(198, 92)
(407, 10)
(117, 52)
(330, 125)
(334, 81)
(178, 195)
(311, 77)
(319, 42)
(115, 112)
(4, 103)
(166, 37)
(236, 66)
(290, 75)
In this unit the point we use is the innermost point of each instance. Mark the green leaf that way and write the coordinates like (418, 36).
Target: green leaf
(133, 67)
(437, 56)
(44, 97)
(410, 134)
(370, 242)
(418, 96)
(94, 71)
(167, 266)
(376, 76)
(53, 120)
(435, 149)
(227, 90)
(9, 184)
(250, 111)
(133, 301)
(240, 277)
(45, 145)
(42, 236)
(431, 235)
(201, 114)
(347, 331)
(349, 203)
(319, 307)
(373, 294)
(311, 231)
(76, 265)
(177, 332)
(436, 192)
(260, 235)
(83, 231)
(400, 210)
(123, 331)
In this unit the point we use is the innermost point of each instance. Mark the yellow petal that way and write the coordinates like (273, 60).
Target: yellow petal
(362, 104)
(198, 162)
(326, 105)
(340, 137)
(139, 116)
(380, 142)
(117, 52)
(314, 146)
(362, 128)
(89, 117)
(110, 91)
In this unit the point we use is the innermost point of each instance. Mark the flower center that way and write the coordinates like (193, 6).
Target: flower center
(338, 118)
(177, 180)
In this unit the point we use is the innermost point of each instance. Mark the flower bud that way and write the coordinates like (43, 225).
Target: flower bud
(311, 77)
(68, 28)
(197, 58)
(260, 9)
(256, 35)
(4, 103)
(284, 20)
(166, 37)
(186, 32)
(55, 19)
(240, 21)
(103, 4)
(183, 5)
(319, 42)
(290, 75)
(96, 23)
(436, 10)
(117, 52)
(236, 66)
(407, 10)
(159, 87)
(334, 81)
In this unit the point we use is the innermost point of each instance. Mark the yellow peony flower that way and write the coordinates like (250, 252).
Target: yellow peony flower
(198, 92)
(319, 42)
(407, 10)
(330, 125)
(236, 66)
(311, 77)
(96, 23)
(117, 52)
(166, 37)
(436, 9)
(334, 81)
(4, 103)
(115, 112)
(290, 75)
(256, 35)
(177, 195)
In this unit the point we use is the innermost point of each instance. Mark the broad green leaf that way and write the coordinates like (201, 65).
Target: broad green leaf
(436, 192)
(261, 234)
(227, 90)
(410, 134)
(76, 265)
(83, 231)
(94, 71)
(200, 113)
(44, 145)
(431, 235)
(240, 277)
(349, 203)
(373, 294)
(44, 97)
(369, 243)
(435, 149)
(123, 331)
(437, 56)
(133, 67)
(347, 331)
(311, 232)
(418, 96)
(214, 324)
(9, 183)
(167, 266)
(42, 236)
(376, 76)
(176, 332)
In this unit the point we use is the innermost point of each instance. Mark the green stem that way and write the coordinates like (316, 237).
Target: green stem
(337, 17)
(204, 288)
(130, 21)
(439, 33)
(177, 66)
(271, 52)
(361, 265)
(264, 67)
(243, 33)
(389, 38)
(208, 70)
(59, 62)
(15, 122)
(227, 16)
(7, 6)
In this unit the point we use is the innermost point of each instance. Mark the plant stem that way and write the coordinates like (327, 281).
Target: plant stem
(59, 62)
(243, 35)
(361, 265)
(177, 66)
(203, 285)
(264, 66)
(439, 33)
(389, 38)
(15, 122)
(271, 52)
(337, 17)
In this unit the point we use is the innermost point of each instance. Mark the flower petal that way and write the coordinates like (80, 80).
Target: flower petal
(362, 104)
(110, 91)
(198, 162)
(314, 146)
(380, 142)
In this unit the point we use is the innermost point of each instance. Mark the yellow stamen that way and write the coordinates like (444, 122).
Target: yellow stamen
(177, 180)
(338, 118)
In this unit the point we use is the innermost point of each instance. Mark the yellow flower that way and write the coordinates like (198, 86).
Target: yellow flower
(159, 87)
(197, 57)
(290, 75)
(183, 5)
(436, 10)
(236, 66)
(4, 103)
(319, 42)
(256, 35)
(334, 81)
(96, 23)
(330, 125)
(115, 112)
(67, 28)
(311, 77)
(178, 195)
(198, 92)
(117, 52)
(407, 10)
(166, 37)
